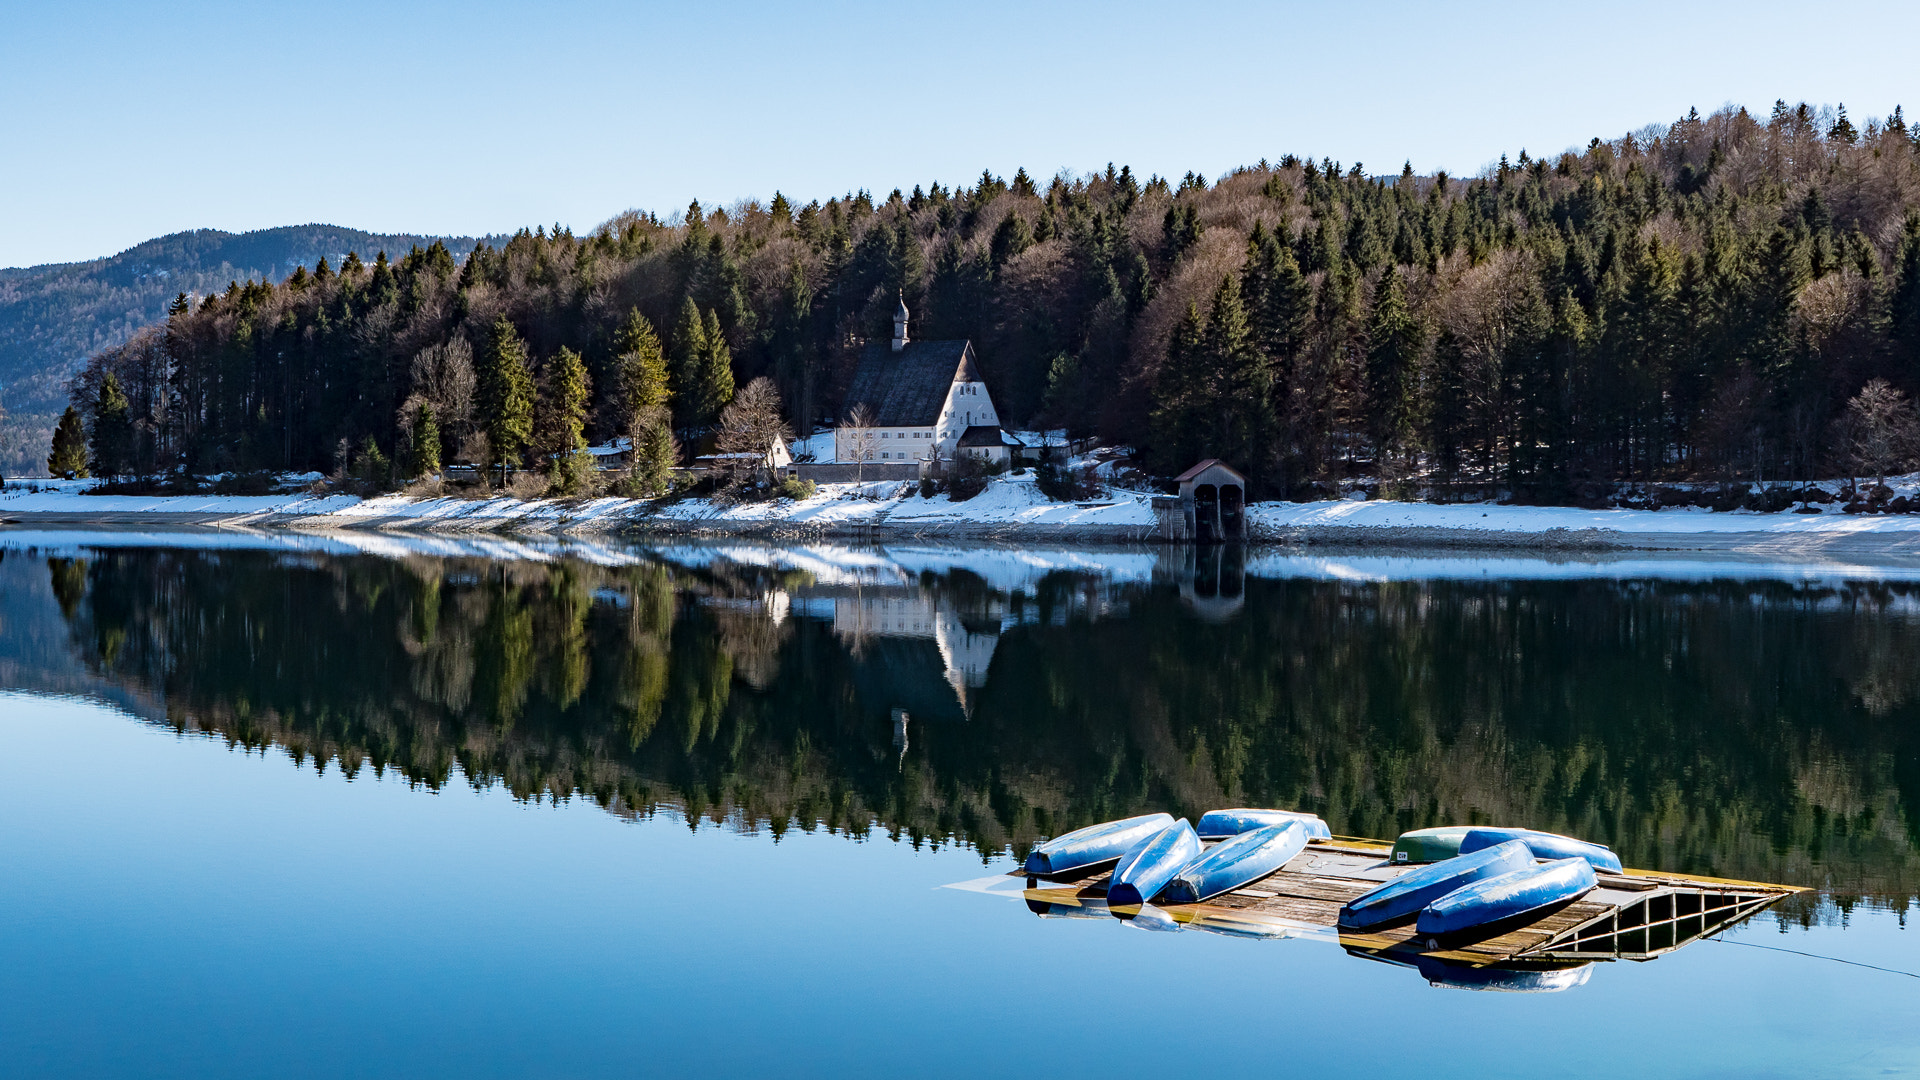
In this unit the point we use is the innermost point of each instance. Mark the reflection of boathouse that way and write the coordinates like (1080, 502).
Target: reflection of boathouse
(1212, 580)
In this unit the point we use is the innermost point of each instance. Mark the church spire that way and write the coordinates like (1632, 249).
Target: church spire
(900, 325)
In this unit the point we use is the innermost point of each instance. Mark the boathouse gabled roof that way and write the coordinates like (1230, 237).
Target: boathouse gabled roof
(1210, 463)
(908, 388)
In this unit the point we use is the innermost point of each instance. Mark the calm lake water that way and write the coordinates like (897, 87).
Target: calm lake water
(304, 806)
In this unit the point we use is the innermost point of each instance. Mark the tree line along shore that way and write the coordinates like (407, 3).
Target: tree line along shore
(1727, 298)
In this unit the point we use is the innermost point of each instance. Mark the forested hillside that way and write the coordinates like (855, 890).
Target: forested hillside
(1694, 300)
(53, 317)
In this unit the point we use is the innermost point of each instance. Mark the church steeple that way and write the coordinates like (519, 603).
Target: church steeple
(900, 326)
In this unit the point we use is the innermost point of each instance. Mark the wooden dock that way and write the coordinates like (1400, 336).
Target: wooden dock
(1637, 915)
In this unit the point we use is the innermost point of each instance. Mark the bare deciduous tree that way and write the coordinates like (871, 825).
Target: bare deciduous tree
(751, 430)
(860, 437)
(443, 377)
(1881, 430)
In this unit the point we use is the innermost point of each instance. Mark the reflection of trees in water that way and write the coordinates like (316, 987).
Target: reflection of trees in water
(1726, 728)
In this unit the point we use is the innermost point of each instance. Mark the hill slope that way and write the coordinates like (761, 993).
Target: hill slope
(53, 317)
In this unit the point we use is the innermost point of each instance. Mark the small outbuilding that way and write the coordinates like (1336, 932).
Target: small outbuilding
(1213, 501)
(776, 458)
(989, 444)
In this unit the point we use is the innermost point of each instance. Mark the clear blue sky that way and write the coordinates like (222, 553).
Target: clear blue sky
(124, 121)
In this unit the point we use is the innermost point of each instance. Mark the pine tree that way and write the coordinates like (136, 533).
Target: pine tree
(505, 396)
(1394, 342)
(426, 441)
(1449, 412)
(1282, 308)
(112, 441)
(564, 416)
(1238, 380)
(68, 459)
(1182, 397)
(689, 359)
(1903, 302)
(713, 375)
(644, 387)
(793, 349)
(654, 454)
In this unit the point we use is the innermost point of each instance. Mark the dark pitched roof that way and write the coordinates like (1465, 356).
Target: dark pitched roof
(984, 435)
(907, 388)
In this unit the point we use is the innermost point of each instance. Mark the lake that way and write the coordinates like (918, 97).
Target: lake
(476, 806)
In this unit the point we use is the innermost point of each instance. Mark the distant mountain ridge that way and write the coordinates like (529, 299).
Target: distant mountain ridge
(53, 316)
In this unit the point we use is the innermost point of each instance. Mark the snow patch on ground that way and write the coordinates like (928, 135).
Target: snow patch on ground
(72, 498)
(1009, 502)
(1016, 500)
(819, 444)
(1485, 517)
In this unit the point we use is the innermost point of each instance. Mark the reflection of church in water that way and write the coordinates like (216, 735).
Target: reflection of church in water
(920, 647)
(914, 649)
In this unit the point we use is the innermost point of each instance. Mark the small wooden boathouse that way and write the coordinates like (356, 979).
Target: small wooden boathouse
(1211, 506)
(1637, 915)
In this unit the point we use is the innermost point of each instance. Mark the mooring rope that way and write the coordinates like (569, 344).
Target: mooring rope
(1817, 956)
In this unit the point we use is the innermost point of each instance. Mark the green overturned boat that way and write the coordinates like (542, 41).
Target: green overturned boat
(1430, 845)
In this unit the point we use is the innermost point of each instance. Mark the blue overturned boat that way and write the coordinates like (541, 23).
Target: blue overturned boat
(1544, 845)
(1236, 863)
(1507, 896)
(1402, 898)
(1145, 870)
(1220, 824)
(1083, 849)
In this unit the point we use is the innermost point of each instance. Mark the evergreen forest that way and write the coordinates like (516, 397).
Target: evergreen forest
(1705, 300)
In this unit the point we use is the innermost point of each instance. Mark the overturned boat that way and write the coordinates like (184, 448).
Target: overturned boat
(1509, 897)
(1083, 849)
(1403, 898)
(1144, 871)
(1544, 845)
(1221, 824)
(1238, 862)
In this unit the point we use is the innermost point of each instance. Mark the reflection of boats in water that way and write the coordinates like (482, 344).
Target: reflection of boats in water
(1635, 915)
(1069, 904)
(1519, 977)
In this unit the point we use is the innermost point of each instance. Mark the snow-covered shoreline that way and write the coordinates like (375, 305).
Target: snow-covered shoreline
(1010, 509)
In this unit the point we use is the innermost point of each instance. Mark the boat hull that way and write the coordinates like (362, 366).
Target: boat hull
(1238, 862)
(1508, 896)
(1402, 898)
(1429, 845)
(1083, 849)
(1144, 871)
(1438, 972)
(1544, 845)
(1220, 824)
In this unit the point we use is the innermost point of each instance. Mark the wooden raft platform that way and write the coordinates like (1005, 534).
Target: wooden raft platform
(1637, 915)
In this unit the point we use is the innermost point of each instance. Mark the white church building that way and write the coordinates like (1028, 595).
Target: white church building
(924, 400)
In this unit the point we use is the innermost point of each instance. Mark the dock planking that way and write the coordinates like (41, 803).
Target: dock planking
(1636, 915)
